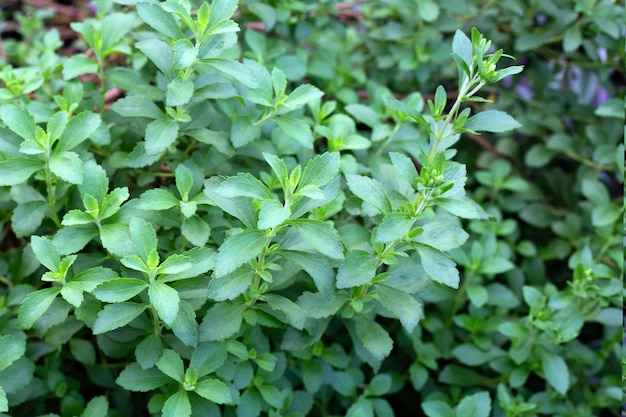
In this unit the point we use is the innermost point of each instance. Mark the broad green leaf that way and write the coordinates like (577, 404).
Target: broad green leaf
(244, 185)
(428, 10)
(222, 321)
(364, 114)
(67, 166)
(320, 170)
(157, 199)
(297, 129)
(160, 53)
(272, 213)
(405, 167)
(95, 181)
(46, 252)
(491, 121)
(243, 131)
(171, 365)
(79, 64)
(438, 266)
(196, 230)
(12, 348)
(174, 264)
(316, 266)
(210, 356)
(159, 20)
(119, 289)
(302, 95)
(475, 405)
(165, 300)
(555, 370)
(113, 237)
(462, 46)
(17, 170)
(272, 395)
(79, 128)
(83, 351)
(613, 107)
(112, 202)
(179, 91)
(403, 306)
(185, 54)
(395, 226)
(184, 180)
(443, 233)
(133, 378)
(56, 125)
(374, 337)
(27, 217)
(318, 306)
(137, 106)
(230, 286)
(4, 403)
(437, 409)
(114, 27)
(214, 390)
(203, 259)
(370, 191)
(293, 313)
(97, 407)
(114, 316)
(160, 134)
(19, 120)
(148, 351)
(379, 385)
(72, 293)
(239, 249)
(312, 375)
(321, 236)
(279, 83)
(361, 408)
(358, 268)
(35, 305)
(142, 237)
(185, 326)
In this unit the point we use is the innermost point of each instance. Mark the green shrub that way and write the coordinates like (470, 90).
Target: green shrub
(346, 209)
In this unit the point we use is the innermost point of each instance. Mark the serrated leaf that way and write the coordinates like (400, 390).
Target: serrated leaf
(171, 365)
(159, 20)
(272, 214)
(296, 128)
(196, 230)
(114, 316)
(157, 199)
(437, 409)
(374, 337)
(78, 129)
(320, 170)
(134, 378)
(12, 348)
(148, 351)
(97, 407)
(19, 120)
(358, 268)
(302, 95)
(402, 305)
(160, 134)
(438, 266)
(222, 321)
(46, 252)
(137, 106)
(370, 191)
(555, 370)
(35, 305)
(316, 266)
(321, 236)
(244, 185)
(17, 170)
(395, 226)
(78, 64)
(214, 390)
(293, 313)
(239, 249)
(119, 289)
(67, 166)
(165, 300)
(179, 91)
(142, 237)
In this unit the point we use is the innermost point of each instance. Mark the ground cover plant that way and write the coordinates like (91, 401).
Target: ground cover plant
(325, 208)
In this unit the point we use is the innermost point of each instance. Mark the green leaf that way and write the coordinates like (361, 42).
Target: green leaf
(613, 107)
(27, 217)
(293, 313)
(379, 385)
(67, 166)
(358, 268)
(370, 191)
(302, 95)
(171, 365)
(157, 199)
(142, 236)
(78, 64)
(316, 266)
(35, 305)
(296, 128)
(462, 47)
(159, 20)
(83, 351)
(428, 10)
(174, 264)
(113, 237)
(491, 121)
(137, 106)
(17, 170)
(12, 348)
(239, 249)
(72, 293)
(403, 306)
(148, 351)
(364, 114)
(374, 337)
(321, 236)
(196, 230)
(272, 213)
(184, 54)
(160, 134)
(112, 202)
(46, 252)
(19, 120)
(114, 316)
(179, 91)
(119, 289)
(573, 39)
(395, 226)
(475, 405)
(210, 356)
(361, 408)
(443, 233)
(203, 259)
(4, 403)
(230, 286)
(222, 321)
(244, 185)
(214, 390)
(243, 131)
(438, 266)
(79, 128)
(165, 300)
(405, 167)
(437, 409)
(184, 180)
(555, 370)
(320, 170)
(133, 378)
(97, 407)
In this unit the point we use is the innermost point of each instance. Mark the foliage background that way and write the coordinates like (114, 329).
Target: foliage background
(537, 321)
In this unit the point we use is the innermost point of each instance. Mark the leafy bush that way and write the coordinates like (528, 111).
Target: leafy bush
(196, 223)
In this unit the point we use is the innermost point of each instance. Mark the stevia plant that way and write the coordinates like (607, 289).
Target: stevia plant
(263, 227)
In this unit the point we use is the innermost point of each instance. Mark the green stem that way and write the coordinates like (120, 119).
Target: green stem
(51, 195)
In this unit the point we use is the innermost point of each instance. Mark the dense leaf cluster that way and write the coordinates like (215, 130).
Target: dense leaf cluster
(289, 209)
